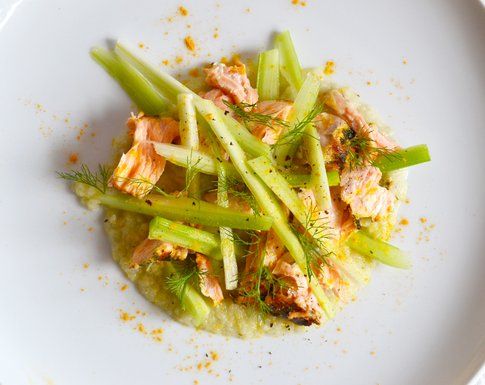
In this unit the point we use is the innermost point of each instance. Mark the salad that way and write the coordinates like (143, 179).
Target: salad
(244, 207)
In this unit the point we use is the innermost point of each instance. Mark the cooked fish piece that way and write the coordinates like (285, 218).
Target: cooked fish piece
(362, 192)
(279, 109)
(209, 284)
(233, 81)
(326, 124)
(218, 97)
(156, 250)
(295, 299)
(141, 167)
(344, 109)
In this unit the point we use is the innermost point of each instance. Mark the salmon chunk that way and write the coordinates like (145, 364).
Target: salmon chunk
(141, 167)
(295, 298)
(153, 249)
(233, 81)
(326, 124)
(218, 97)
(277, 109)
(346, 111)
(209, 284)
(362, 192)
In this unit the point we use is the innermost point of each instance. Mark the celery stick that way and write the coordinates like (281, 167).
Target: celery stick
(402, 158)
(245, 139)
(369, 247)
(268, 80)
(207, 164)
(302, 107)
(304, 180)
(194, 239)
(192, 302)
(185, 209)
(201, 162)
(189, 137)
(265, 198)
(319, 181)
(289, 65)
(278, 184)
(138, 88)
(171, 88)
(227, 237)
(165, 83)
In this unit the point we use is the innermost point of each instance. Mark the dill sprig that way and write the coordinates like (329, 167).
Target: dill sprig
(191, 171)
(245, 112)
(149, 186)
(236, 189)
(186, 273)
(360, 150)
(295, 133)
(262, 282)
(98, 179)
(313, 239)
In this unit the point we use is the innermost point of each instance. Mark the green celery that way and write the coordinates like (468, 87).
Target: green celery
(165, 83)
(189, 237)
(279, 185)
(370, 247)
(171, 88)
(402, 158)
(289, 64)
(207, 164)
(268, 80)
(227, 248)
(192, 302)
(303, 105)
(189, 137)
(184, 209)
(265, 198)
(304, 180)
(201, 162)
(319, 181)
(138, 88)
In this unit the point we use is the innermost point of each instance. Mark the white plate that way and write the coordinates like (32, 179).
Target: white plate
(425, 326)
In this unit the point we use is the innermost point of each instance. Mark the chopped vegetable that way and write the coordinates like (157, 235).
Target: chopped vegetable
(138, 88)
(268, 81)
(289, 64)
(302, 116)
(189, 137)
(193, 239)
(190, 299)
(373, 248)
(405, 157)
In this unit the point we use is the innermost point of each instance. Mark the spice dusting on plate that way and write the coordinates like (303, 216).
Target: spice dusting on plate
(189, 43)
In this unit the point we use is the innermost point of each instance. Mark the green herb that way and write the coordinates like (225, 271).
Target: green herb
(149, 186)
(97, 179)
(191, 171)
(186, 273)
(246, 113)
(236, 188)
(313, 240)
(295, 133)
(360, 150)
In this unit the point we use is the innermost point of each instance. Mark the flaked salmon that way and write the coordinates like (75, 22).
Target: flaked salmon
(346, 111)
(277, 109)
(294, 299)
(218, 97)
(233, 81)
(209, 284)
(155, 250)
(141, 167)
(360, 189)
